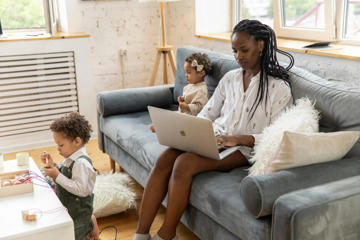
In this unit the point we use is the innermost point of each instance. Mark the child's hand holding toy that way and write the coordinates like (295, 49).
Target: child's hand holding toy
(51, 171)
(49, 167)
(46, 159)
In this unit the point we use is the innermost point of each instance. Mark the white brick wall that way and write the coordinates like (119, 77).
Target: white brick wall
(115, 25)
(135, 26)
(342, 71)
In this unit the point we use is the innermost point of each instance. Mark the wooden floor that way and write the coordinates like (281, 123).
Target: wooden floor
(125, 222)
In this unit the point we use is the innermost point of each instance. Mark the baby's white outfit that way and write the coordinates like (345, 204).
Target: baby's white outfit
(196, 96)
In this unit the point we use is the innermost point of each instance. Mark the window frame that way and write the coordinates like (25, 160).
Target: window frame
(328, 34)
(50, 15)
(235, 12)
(336, 22)
(50, 12)
(340, 23)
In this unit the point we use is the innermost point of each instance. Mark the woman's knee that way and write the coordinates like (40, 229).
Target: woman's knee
(165, 161)
(183, 167)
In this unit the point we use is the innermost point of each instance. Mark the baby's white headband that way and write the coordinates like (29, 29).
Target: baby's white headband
(198, 67)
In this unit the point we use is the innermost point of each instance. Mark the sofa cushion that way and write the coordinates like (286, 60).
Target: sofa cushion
(133, 100)
(216, 195)
(131, 132)
(259, 193)
(300, 149)
(338, 105)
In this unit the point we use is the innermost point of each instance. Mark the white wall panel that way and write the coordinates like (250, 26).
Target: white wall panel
(39, 82)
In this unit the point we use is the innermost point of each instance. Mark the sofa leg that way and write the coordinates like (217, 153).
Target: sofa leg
(112, 164)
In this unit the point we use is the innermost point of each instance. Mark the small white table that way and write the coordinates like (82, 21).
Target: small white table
(54, 226)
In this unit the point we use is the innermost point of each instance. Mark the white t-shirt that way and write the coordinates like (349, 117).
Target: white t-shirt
(229, 107)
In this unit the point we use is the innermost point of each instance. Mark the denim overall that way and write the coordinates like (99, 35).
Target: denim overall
(79, 208)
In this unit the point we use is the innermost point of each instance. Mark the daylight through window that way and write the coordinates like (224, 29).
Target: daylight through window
(22, 14)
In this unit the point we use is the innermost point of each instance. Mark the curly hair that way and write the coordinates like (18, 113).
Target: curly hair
(71, 126)
(202, 59)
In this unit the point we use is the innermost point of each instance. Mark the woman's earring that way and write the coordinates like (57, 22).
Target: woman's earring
(260, 54)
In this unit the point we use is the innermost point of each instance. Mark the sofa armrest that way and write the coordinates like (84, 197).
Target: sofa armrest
(259, 193)
(329, 211)
(134, 100)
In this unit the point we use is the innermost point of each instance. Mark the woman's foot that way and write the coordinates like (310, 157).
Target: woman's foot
(142, 236)
(94, 234)
(157, 237)
(152, 128)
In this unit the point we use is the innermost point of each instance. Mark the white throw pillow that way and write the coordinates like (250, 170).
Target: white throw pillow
(300, 149)
(302, 117)
(112, 194)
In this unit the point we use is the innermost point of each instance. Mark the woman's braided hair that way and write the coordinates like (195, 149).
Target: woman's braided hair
(269, 63)
(202, 59)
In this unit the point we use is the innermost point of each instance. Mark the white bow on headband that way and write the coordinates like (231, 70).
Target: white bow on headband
(198, 67)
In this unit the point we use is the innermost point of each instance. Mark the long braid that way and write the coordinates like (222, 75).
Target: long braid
(269, 64)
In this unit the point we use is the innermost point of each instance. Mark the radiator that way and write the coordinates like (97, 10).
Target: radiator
(34, 90)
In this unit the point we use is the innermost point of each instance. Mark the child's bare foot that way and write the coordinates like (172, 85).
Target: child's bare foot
(152, 128)
(94, 234)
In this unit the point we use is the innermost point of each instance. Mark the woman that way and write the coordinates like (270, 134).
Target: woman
(246, 100)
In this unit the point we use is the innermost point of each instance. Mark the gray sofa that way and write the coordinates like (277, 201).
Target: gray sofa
(320, 201)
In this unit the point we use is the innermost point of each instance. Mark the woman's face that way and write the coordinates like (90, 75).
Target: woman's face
(247, 51)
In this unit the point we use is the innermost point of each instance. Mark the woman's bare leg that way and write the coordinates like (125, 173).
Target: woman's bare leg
(156, 188)
(186, 166)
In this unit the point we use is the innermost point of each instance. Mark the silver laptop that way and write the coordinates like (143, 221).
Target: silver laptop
(187, 133)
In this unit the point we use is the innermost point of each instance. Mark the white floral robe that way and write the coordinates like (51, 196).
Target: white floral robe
(229, 107)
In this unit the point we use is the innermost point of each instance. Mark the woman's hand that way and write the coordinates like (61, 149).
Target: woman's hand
(230, 141)
(51, 171)
(226, 141)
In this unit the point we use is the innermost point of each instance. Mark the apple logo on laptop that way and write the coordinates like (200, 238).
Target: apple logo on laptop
(182, 132)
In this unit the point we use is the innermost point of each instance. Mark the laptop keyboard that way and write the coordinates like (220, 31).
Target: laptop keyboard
(222, 149)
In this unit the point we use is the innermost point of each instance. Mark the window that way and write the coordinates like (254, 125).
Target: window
(28, 15)
(318, 20)
(352, 19)
(305, 19)
(261, 10)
